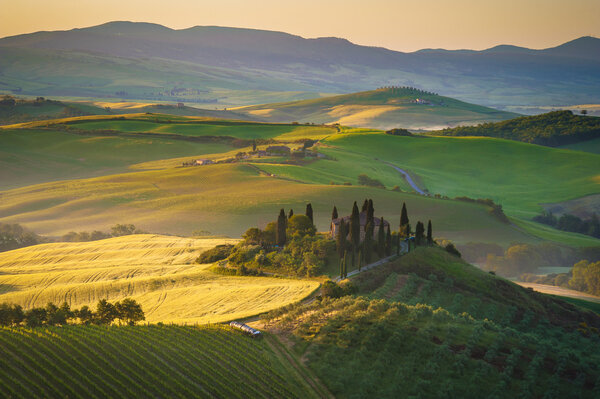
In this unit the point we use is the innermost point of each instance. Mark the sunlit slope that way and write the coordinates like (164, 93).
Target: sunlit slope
(30, 156)
(157, 271)
(382, 108)
(519, 176)
(168, 361)
(226, 199)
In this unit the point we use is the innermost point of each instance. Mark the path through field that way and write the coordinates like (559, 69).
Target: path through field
(408, 179)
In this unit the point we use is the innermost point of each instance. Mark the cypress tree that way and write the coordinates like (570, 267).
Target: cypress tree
(334, 214)
(419, 233)
(398, 244)
(429, 234)
(291, 213)
(280, 237)
(360, 259)
(370, 211)
(341, 238)
(355, 227)
(388, 242)
(254, 145)
(368, 242)
(381, 239)
(404, 222)
(309, 212)
(365, 206)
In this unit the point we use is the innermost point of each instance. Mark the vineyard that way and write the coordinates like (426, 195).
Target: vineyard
(142, 361)
(159, 272)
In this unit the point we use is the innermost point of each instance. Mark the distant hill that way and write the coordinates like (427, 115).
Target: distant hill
(220, 65)
(552, 129)
(383, 108)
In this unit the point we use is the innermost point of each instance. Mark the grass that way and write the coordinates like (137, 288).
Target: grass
(182, 200)
(592, 146)
(30, 156)
(517, 175)
(157, 271)
(142, 361)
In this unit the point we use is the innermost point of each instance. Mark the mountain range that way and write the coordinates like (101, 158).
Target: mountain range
(221, 66)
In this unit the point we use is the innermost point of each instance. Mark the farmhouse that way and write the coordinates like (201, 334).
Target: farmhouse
(335, 225)
(203, 162)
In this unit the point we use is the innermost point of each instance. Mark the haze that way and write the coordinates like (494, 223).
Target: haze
(395, 24)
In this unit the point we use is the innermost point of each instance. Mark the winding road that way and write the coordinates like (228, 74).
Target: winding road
(408, 179)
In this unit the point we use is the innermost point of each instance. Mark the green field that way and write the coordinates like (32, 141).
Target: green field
(592, 146)
(517, 175)
(143, 361)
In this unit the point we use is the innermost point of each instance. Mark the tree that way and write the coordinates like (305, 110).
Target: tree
(429, 233)
(355, 227)
(300, 224)
(381, 239)
(370, 211)
(253, 145)
(334, 214)
(584, 112)
(85, 315)
(122, 230)
(388, 242)
(129, 311)
(341, 238)
(368, 241)
(404, 230)
(419, 234)
(280, 237)
(35, 317)
(291, 213)
(365, 205)
(309, 212)
(106, 312)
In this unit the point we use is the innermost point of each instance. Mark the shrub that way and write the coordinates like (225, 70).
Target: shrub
(365, 180)
(215, 254)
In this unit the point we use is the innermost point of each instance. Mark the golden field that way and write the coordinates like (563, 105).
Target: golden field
(157, 271)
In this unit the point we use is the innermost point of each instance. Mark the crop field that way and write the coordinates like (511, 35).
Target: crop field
(183, 200)
(142, 361)
(157, 271)
(30, 156)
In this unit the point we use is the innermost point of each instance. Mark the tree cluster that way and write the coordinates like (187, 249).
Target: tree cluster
(117, 230)
(551, 129)
(494, 209)
(13, 236)
(127, 311)
(365, 180)
(584, 277)
(571, 223)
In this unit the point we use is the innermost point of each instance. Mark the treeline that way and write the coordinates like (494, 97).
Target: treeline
(495, 209)
(584, 277)
(519, 259)
(127, 311)
(14, 236)
(571, 223)
(117, 230)
(551, 129)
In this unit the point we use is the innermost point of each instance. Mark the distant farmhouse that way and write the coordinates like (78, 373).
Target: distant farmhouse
(422, 101)
(335, 225)
(203, 162)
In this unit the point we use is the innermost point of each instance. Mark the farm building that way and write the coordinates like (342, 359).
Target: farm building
(335, 225)
(245, 328)
(203, 162)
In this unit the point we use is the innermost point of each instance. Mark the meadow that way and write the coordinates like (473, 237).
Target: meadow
(157, 271)
(143, 361)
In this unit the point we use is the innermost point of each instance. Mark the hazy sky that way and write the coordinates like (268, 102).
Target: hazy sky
(396, 24)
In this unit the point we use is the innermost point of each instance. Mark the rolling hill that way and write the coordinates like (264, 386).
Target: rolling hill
(157, 271)
(430, 324)
(384, 108)
(227, 66)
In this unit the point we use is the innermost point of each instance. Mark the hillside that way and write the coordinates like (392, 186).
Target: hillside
(553, 129)
(429, 324)
(157, 271)
(143, 361)
(384, 108)
(228, 66)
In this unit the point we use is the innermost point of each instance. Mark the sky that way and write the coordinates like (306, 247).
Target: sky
(395, 24)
